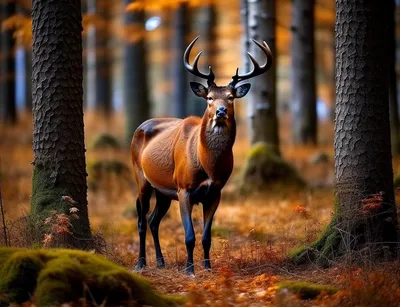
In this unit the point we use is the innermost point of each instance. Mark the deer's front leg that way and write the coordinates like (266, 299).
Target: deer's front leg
(209, 208)
(190, 239)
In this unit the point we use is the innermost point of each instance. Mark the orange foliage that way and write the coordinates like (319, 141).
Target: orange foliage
(22, 26)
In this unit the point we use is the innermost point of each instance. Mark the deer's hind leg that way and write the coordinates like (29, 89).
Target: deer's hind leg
(142, 207)
(162, 205)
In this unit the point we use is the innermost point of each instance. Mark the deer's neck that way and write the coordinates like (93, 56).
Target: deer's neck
(215, 148)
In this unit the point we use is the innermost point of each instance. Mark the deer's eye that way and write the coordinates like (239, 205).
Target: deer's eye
(210, 99)
(230, 98)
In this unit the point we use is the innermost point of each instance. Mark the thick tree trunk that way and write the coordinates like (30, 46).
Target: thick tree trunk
(363, 162)
(136, 97)
(393, 106)
(304, 102)
(99, 61)
(179, 74)
(262, 97)
(59, 167)
(8, 111)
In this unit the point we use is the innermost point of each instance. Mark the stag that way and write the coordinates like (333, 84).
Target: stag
(189, 160)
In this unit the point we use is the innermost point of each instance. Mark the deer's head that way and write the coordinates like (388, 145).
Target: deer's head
(220, 99)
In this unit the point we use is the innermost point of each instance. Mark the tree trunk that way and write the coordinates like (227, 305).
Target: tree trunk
(59, 167)
(8, 111)
(304, 102)
(99, 60)
(264, 166)
(23, 69)
(262, 97)
(179, 74)
(393, 106)
(363, 162)
(136, 99)
(205, 25)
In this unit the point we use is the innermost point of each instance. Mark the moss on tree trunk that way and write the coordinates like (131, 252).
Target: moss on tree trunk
(264, 167)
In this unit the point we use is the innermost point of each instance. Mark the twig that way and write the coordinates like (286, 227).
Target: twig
(2, 215)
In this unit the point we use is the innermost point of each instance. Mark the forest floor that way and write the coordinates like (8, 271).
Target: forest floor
(252, 236)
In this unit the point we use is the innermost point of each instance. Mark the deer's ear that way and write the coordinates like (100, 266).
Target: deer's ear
(199, 89)
(242, 90)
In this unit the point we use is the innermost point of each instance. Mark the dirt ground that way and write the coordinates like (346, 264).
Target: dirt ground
(251, 236)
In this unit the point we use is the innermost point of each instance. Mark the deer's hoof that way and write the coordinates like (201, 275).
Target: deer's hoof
(141, 264)
(160, 263)
(207, 265)
(189, 270)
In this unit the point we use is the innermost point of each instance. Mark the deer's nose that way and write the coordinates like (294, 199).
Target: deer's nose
(221, 112)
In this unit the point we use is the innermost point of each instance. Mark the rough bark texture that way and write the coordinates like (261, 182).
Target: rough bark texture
(179, 74)
(8, 113)
(363, 164)
(58, 138)
(262, 96)
(99, 96)
(136, 97)
(393, 106)
(304, 103)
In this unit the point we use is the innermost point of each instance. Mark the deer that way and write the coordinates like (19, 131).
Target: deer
(189, 160)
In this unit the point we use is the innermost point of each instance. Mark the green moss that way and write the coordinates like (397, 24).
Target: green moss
(47, 197)
(19, 274)
(102, 169)
(221, 232)
(323, 250)
(56, 276)
(306, 290)
(396, 182)
(105, 140)
(263, 168)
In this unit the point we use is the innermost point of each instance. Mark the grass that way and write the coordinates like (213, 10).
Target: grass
(251, 236)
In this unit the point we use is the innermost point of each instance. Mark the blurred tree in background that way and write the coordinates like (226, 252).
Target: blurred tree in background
(135, 89)
(179, 73)
(304, 99)
(262, 97)
(8, 110)
(99, 56)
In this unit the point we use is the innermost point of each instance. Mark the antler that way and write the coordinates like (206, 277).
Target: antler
(257, 70)
(194, 69)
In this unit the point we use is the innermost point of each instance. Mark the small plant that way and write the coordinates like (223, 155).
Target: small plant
(60, 226)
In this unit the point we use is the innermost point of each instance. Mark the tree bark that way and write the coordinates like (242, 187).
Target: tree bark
(8, 110)
(136, 97)
(179, 74)
(393, 106)
(363, 162)
(99, 87)
(59, 167)
(304, 102)
(262, 97)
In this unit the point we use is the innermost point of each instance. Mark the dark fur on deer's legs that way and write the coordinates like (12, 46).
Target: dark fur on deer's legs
(190, 240)
(162, 205)
(142, 207)
(209, 208)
